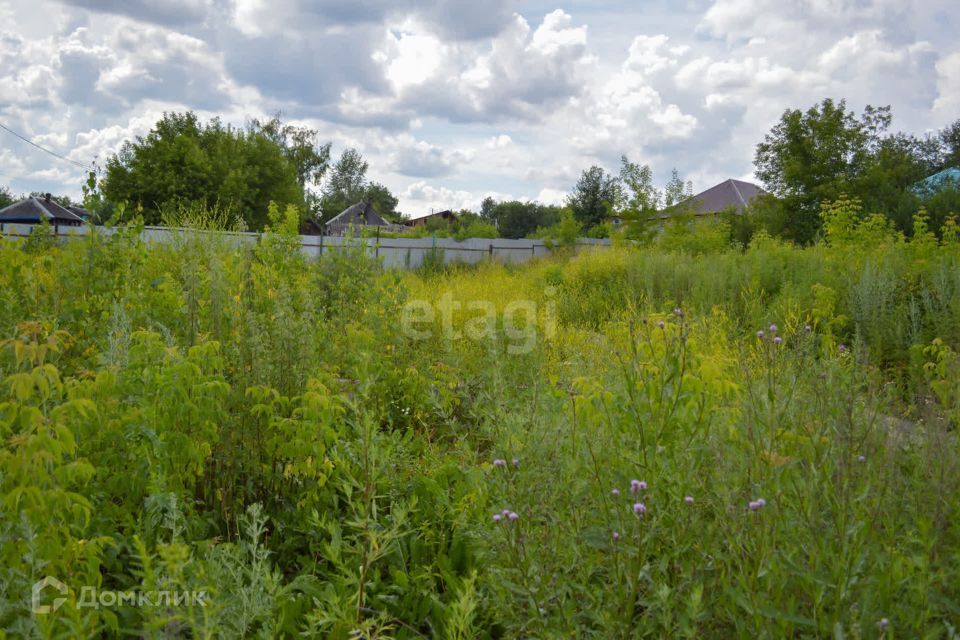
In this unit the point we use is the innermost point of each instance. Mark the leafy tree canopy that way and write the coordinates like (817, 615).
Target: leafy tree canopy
(819, 155)
(348, 185)
(519, 219)
(595, 196)
(183, 161)
(6, 198)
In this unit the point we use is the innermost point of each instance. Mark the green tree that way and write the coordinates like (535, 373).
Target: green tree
(184, 162)
(6, 198)
(676, 190)
(301, 147)
(487, 208)
(815, 156)
(596, 195)
(346, 184)
(642, 198)
(519, 219)
(950, 139)
(384, 202)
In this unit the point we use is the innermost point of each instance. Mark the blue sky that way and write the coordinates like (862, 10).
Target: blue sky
(451, 100)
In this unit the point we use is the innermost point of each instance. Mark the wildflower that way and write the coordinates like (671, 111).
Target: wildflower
(842, 348)
(661, 324)
(497, 517)
(883, 624)
(777, 340)
(861, 458)
(637, 486)
(773, 328)
(516, 463)
(499, 463)
(512, 516)
(615, 492)
(807, 329)
(753, 505)
(616, 536)
(506, 513)
(677, 312)
(760, 334)
(688, 499)
(639, 508)
(761, 502)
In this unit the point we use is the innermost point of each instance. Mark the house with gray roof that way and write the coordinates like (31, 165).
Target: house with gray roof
(357, 217)
(33, 210)
(729, 194)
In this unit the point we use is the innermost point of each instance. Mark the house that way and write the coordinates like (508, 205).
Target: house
(357, 217)
(446, 216)
(936, 182)
(729, 194)
(33, 210)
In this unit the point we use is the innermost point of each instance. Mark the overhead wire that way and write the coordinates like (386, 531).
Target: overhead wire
(45, 150)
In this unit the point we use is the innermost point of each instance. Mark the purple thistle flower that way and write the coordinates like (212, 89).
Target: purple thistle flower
(688, 499)
(761, 502)
(616, 536)
(497, 517)
(661, 324)
(760, 334)
(516, 463)
(777, 340)
(639, 508)
(513, 516)
(505, 512)
(497, 462)
(615, 492)
(637, 486)
(883, 624)
(773, 328)
(753, 505)
(842, 348)
(861, 458)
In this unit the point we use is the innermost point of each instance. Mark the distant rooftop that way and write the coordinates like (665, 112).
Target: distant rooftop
(33, 210)
(735, 194)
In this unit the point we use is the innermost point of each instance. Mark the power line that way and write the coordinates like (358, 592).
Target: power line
(53, 153)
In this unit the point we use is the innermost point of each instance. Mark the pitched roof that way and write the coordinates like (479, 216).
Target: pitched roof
(939, 180)
(727, 194)
(360, 214)
(33, 210)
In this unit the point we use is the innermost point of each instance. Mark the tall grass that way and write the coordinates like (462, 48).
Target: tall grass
(681, 440)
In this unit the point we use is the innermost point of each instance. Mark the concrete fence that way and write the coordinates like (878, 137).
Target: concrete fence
(402, 253)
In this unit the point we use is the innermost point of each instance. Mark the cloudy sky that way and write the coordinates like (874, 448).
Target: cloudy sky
(452, 100)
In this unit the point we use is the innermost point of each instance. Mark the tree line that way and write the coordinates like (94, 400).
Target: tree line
(810, 158)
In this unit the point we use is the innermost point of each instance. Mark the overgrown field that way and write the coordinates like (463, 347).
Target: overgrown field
(675, 441)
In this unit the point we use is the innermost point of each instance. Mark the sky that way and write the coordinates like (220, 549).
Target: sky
(453, 100)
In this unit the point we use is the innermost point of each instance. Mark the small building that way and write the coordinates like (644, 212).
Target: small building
(358, 216)
(446, 216)
(33, 210)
